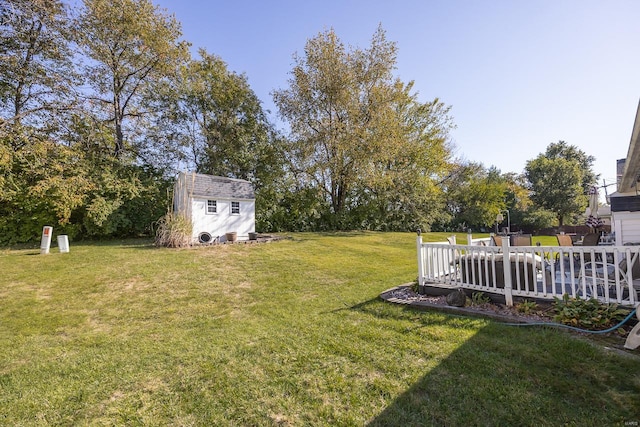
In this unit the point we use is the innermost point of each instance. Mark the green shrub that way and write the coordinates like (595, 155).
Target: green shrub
(415, 287)
(527, 307)
(587, 314)
(479, 298)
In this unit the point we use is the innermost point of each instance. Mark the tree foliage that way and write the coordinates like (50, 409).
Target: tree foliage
(42, 183)
(129, 44)
(524, 214)
(216, 121)
(35, 61)
(360, 140)
(100, 105)
(475, 196)
(559, 180)
(562, 150)
(69, 175)
(536, 219)
(213, 121)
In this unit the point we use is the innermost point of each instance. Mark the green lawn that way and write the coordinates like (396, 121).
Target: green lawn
(285, 333)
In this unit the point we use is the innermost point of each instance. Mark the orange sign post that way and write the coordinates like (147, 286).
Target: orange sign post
(45, 242)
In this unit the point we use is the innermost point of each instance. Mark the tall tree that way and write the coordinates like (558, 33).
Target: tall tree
(217, 121)
(35, 60)
(355, 128)
(401, 188)
(563, 150)
(131, 44)
(123, 199)
(522, 212)
(475, 195)
(213, 122)
(559, 180)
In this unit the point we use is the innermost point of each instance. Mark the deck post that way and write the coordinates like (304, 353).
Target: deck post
(506, 264)
(420, 262)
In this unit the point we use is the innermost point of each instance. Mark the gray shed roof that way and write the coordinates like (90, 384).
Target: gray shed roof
(218, 186)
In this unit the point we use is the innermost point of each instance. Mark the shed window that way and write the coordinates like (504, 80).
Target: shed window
(212, 206)
(235, 208)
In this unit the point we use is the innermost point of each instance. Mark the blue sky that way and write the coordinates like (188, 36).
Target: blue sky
(517, 74)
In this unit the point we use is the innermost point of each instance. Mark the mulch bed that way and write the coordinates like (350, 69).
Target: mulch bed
(404, 294)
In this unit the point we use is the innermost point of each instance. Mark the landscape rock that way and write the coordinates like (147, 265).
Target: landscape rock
(457, 298)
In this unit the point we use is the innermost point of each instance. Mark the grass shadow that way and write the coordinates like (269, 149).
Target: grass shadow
(500, 369)
(378, 308)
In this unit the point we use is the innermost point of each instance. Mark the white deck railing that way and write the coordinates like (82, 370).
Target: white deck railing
(541, 272)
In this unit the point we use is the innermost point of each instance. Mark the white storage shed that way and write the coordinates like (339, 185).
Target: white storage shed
(220, 208)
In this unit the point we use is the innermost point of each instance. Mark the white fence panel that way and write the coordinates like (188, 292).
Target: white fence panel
(542, 272)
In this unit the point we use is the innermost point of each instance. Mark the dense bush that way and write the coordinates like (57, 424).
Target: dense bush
(587, 314)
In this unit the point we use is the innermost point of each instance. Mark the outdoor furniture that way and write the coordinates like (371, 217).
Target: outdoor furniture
(479, 270)
(600, 277)
(514, 240)
(591, 239)
(565, 240)
(608, 239)
(522, 240)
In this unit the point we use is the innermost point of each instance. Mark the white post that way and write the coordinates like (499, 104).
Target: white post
(420, 262)
(63, 243)
(506, 264)
(45, 241)
(469, 237)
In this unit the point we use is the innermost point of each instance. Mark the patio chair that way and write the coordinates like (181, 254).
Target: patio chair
(522, 240)
(591, 239)
(565, 240)
(496, 241)
(602, 276)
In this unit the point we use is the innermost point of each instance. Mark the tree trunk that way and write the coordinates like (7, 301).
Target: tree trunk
(117, 118)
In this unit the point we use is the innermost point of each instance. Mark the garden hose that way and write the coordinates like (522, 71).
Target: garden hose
(560, 325)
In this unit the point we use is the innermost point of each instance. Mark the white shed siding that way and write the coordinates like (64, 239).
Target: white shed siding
(191, 193)
(223, 221)
(627, 227)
